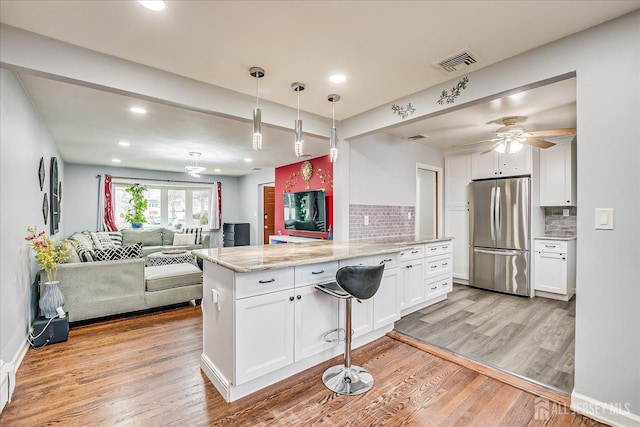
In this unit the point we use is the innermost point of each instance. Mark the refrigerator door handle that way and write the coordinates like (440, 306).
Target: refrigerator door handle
(498, 220)
(492, 214)
(500, 252)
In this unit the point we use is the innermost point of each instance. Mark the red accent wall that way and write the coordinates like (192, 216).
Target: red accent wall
(289, 180)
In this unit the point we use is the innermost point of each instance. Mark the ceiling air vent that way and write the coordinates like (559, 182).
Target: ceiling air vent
(256, 169)
(416, 137)
(458, 61)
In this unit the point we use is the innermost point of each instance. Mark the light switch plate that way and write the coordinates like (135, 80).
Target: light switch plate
(565, 212)
(604, 218)
(366, 220)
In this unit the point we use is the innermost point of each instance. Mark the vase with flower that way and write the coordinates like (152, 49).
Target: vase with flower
(49, 254)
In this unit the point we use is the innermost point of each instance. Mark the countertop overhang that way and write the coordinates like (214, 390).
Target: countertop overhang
(246, 259)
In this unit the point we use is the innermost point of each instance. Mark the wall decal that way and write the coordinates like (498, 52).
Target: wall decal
(45, 208)
(41, 173)
(403, 111)
(455, 92)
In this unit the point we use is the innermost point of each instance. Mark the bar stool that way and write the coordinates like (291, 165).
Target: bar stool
(359, 282)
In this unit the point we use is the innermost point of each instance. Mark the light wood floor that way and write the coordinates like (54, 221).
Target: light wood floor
(531, 337)
(144, 371)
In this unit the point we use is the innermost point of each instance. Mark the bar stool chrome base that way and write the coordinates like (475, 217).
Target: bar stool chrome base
(350, 381)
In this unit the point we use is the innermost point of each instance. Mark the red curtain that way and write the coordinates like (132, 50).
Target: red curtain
(109, 220)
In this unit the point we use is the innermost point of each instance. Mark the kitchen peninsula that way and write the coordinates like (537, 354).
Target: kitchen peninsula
(264, 321)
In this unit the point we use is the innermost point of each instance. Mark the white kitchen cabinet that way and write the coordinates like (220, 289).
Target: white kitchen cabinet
(554, 264)
(264, 334)
(457, 226)
(457, 175)
(316, 313)
(386, 302)
(438, 278)
(500, 165)
(558, 175)
(411, 277)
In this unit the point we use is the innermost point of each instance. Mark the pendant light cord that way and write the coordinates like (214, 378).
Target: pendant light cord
(257, 91)
(298, 105)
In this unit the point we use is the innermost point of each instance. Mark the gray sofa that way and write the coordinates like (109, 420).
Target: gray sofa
(104, 288)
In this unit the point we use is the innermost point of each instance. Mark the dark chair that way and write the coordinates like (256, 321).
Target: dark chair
(361, 283)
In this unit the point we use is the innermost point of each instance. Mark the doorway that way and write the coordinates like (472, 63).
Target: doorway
(268, 212)
(428, 201)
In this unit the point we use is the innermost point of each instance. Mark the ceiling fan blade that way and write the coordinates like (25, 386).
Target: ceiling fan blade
(553, 132)
(468, 144)
(493, 147)
(538, 143)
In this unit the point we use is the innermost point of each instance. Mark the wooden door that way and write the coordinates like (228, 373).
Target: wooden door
(268, 209)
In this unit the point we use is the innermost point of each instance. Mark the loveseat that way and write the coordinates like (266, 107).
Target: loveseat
(94, 289)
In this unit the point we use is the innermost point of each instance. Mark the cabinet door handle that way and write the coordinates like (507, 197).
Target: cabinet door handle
(291, 298)
(409, 266)
(299, 297)
(317, 272)
(266, 281)
(563, 258)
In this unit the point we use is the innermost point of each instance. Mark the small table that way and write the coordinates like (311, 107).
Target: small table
(160, 258)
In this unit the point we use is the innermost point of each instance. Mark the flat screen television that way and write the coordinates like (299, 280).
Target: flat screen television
(305, 211)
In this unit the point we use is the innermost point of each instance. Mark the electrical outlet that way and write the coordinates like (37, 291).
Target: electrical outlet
(366, 220)
(408, 215)
(565, 212)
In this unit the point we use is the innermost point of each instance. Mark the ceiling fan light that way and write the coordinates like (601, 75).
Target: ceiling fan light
(501, 147)
(515, 146)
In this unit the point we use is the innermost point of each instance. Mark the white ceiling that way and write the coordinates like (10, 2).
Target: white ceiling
(383, 47)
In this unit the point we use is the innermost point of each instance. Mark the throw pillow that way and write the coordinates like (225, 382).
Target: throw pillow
(116, 237)
(83, 239)
(102, 240)
(195, 230)
(85, 254)
(184, 239)
(119, 252)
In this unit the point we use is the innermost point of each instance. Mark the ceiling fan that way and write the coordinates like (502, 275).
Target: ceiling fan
(511, 136)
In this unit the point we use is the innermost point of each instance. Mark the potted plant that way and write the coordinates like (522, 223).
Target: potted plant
(137, 205)
(49, 254)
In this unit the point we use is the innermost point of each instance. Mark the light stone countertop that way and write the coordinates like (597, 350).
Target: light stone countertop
(245, 259)
(553, 237)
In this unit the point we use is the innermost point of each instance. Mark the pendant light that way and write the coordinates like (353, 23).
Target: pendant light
(299, 143)
(258, 73)
(193, 169)
(333, 140)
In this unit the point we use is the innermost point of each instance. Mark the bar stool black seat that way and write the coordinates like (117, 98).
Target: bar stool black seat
(361, 283)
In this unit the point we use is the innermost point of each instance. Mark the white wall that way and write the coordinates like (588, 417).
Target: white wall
(250, 201)
(80, 194)
(382, 169)
(23, 140)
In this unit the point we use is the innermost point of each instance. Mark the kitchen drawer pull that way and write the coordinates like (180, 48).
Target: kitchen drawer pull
(434, 249)
(434, 266)
(445, 264)
(317, 272)
(386, 260)
(266, 281)
(434, 288)
(550, 246)
(409, 266)
(414, 252)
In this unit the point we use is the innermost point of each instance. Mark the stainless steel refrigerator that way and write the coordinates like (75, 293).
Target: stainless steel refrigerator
(500, 235)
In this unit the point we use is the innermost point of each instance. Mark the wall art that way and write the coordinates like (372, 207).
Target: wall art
(450, 98)
(41, 173)
(403, 112)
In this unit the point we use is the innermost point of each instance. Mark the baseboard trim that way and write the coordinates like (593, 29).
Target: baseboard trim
(515, 381)
(8, 374)
(614, 415)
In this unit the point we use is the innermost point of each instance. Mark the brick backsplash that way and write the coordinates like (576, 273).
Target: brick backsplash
(557, 225)
(384, 221)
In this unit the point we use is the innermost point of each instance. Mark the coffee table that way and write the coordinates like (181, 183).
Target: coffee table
(159, 258)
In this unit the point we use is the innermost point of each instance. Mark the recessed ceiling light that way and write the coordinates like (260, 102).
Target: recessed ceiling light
(138, 110)
(124, 143)
(337, 78)
(152, 4)
(115, 160)
(248, 160)
(217, 170)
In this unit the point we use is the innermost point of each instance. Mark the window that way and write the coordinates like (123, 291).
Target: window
(172, 205)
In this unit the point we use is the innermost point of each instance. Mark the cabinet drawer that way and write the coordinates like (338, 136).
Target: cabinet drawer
(559, 246)
(389, 260)
(438, 285)
(315, 273)
(413, 253)
(437, 265)
(437, 248)
(263, 282)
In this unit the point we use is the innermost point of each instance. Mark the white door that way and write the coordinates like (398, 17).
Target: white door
(316, 314)
(386, 302)
(551, 272)
(457, 226)
(412, 283)
(264, 334)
